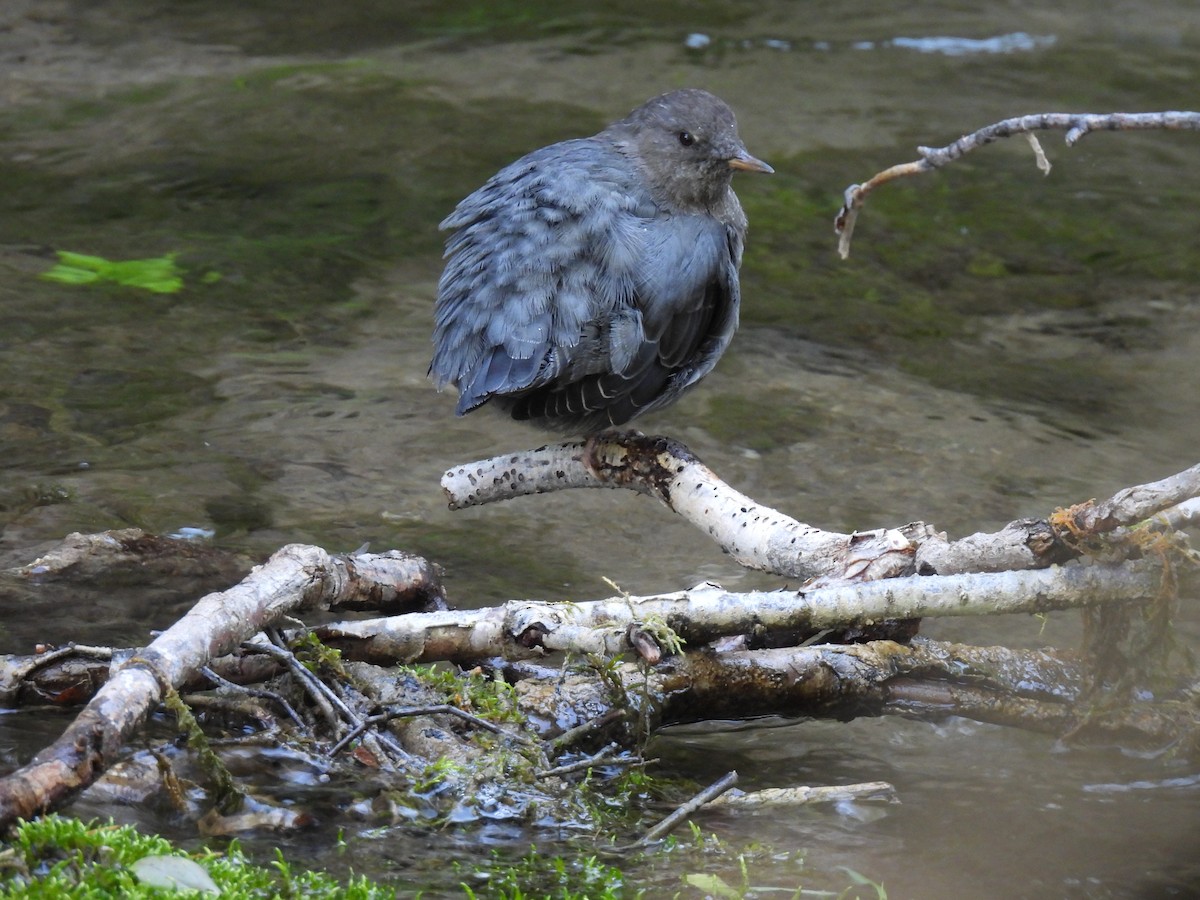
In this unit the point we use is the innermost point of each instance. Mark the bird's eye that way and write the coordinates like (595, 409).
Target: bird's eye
(686, 138)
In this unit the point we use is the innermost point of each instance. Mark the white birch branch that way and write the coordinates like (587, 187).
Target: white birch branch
(526, 629)
(1135, 504)
(757, 536)
(1031, 542)
(763, 538)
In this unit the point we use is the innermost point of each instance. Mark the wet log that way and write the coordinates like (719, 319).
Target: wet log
(1036, 690)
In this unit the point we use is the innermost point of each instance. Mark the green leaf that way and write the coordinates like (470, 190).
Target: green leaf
(863, 880)
(157, 274)
(71, 275)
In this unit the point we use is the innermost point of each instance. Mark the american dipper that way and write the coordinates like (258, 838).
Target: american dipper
(596, 279)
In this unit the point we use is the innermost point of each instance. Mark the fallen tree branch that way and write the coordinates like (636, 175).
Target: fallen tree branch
(755, 535)
(763, 538)
(1135, 504)
(679, 815)
(1179, 517)
(929, 680)
(71, 675)
(1076, 125)
(1027, 543)
(392, 582)
(526, 629)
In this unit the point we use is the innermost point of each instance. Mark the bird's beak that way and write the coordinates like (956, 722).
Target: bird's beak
(744, 162)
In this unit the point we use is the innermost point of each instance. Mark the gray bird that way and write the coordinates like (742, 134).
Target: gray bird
(596, 279)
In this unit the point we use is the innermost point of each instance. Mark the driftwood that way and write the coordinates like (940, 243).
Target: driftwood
(524, 629)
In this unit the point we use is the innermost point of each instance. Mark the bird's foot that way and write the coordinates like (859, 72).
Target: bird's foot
(595, 445)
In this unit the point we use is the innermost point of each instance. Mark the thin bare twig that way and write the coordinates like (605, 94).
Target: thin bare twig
(610, 755)
(585, 729)
(667, 825)
(312, 685)
(1076, 125)
(447, 709)
(279, 699)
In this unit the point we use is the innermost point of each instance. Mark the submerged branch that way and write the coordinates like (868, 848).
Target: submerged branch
(85, 557)
(1036, 690)
(680, 815)
(872, 791)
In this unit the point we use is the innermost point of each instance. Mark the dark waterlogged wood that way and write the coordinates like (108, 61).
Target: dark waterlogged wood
(88, 557)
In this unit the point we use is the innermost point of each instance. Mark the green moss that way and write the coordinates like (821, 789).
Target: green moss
(490, 698)
(63, 858)
(986, 265)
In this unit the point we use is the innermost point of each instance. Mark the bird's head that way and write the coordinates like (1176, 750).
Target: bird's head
(687, 143)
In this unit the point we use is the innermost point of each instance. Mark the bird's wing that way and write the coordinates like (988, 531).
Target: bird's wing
(525, 266)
